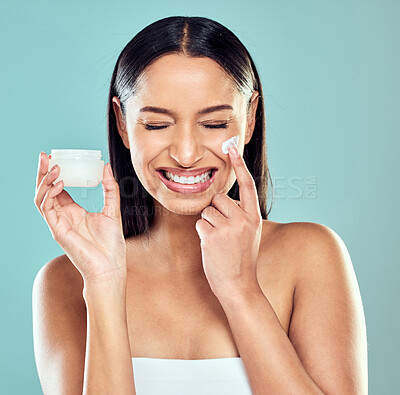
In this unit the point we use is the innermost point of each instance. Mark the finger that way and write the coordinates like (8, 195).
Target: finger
(42, 168)
(247, 187)
(225, 205)
(63, 198)
(203, 229)
(111, 194)
(47, 206)
(45, 184)
(213, 216)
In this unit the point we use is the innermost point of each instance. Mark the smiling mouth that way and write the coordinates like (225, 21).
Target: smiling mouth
(190, 179)
(190, 185)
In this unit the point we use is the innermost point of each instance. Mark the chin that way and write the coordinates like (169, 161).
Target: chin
(188, 208)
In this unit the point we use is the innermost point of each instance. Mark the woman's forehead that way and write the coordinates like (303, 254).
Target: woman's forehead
(184, 85)
(180, 72)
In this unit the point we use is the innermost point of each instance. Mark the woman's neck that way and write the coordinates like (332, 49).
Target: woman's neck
(173, 244)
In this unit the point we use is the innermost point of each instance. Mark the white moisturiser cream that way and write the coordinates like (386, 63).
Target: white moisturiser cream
(227, 144)
(78, 167)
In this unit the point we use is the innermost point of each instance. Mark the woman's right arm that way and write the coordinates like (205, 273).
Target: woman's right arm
(63, 313)
(64, 329)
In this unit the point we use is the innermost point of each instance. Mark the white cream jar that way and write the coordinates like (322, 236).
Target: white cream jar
(78, 167)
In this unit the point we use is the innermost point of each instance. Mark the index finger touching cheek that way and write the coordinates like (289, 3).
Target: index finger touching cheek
(247, 188)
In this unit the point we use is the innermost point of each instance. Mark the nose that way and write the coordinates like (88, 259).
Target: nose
(186, 147)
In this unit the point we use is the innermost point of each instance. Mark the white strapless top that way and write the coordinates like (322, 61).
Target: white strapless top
(216, 376)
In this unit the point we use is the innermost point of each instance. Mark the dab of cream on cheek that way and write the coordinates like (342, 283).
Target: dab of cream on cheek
(228, 143)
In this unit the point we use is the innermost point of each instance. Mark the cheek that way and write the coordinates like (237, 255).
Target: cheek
(138, 162)
(141, 152)
(141, 165)
(147, 145)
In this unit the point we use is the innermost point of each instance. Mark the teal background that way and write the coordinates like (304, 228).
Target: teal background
(330, 73)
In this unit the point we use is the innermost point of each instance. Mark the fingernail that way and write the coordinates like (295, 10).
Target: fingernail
(233, 150)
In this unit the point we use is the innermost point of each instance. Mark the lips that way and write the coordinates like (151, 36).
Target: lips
(186, 188)
(186, 173)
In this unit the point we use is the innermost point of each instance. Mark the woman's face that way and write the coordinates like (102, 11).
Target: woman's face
(184, 86)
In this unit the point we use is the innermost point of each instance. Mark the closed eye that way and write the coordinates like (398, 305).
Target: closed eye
(152, 127)
(219, 126)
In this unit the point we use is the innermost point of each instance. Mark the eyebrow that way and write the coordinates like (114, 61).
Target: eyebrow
(207, 110)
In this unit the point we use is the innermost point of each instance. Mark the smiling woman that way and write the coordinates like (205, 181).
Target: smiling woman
(181, 284)
(211, 101)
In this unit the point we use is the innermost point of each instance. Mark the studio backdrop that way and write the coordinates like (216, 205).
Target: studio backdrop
(331, 84)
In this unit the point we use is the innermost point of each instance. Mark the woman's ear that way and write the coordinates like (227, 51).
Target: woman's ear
(251, 116)
(121, 126)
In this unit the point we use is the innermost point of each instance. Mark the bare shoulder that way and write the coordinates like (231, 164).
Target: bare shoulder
(324, 254)
(294, 233)
(303, 244)
(60, 273)
(286, 247)
(59, 285)
(327, 326)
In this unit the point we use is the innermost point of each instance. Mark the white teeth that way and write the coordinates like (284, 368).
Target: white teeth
(189, 180)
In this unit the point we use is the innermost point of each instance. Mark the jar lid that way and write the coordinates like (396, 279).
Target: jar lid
(75, 154)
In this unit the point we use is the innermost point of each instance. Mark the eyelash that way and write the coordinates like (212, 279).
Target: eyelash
(220, 126)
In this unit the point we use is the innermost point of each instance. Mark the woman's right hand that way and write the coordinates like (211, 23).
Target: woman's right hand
(94, 242)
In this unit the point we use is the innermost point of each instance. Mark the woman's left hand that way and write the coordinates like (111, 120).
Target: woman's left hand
(230, 234)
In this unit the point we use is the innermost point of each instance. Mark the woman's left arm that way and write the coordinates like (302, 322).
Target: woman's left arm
(326, 350)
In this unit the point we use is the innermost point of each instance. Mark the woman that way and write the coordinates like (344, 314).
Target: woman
(173, 288)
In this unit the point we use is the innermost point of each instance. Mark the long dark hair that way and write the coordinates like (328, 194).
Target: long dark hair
(194, 37)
